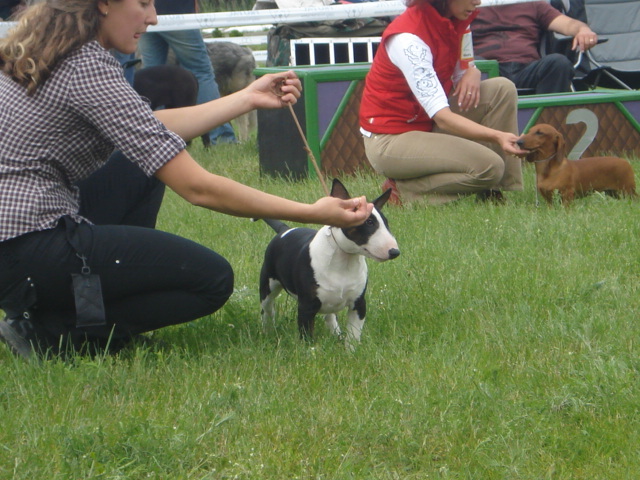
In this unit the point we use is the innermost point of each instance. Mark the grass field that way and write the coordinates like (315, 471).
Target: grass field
(501, 344)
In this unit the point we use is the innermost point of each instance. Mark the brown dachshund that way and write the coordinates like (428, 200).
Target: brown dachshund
(573, 178)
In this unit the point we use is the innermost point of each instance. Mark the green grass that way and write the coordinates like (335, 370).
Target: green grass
(501, 344)
(225, 5)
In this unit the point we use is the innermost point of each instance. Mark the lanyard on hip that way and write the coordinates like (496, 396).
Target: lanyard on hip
(87, 289)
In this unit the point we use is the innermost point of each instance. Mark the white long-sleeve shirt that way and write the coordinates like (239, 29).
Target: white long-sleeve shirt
(414, 59)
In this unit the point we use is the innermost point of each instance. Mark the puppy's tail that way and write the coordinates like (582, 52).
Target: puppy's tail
(277, 225)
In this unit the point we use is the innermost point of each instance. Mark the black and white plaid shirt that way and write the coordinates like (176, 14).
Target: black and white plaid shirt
(66, 131)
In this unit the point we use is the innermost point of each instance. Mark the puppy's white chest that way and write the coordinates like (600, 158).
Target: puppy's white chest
(341, 277)
(336, 292)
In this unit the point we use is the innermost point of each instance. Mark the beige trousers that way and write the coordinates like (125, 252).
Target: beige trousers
(438, 167)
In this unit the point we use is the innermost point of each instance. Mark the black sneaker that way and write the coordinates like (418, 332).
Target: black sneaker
(493, 196)
(19, 335)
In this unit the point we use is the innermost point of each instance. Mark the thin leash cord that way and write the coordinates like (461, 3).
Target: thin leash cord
(308, 149)
(536, 186)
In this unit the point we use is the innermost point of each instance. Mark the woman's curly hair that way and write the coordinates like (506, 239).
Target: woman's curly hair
(46, 33)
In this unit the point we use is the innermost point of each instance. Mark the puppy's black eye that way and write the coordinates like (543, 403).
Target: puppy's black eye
(539, 132)
(369, 221)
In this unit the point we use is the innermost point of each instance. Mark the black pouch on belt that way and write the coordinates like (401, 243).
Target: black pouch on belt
(87, 289)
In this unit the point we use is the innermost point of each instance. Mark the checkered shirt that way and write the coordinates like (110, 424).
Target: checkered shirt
(66, 131)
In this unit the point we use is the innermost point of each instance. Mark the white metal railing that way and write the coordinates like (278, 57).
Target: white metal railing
(201, 21)
(275, 16)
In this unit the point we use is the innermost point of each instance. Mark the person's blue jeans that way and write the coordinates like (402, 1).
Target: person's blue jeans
(124, 59)
(191, 53)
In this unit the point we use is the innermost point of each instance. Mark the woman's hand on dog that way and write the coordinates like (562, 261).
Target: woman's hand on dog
(342, 213)
(275, 90)
(508, 143)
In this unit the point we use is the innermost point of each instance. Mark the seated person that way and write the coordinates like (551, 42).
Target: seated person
(511, 34)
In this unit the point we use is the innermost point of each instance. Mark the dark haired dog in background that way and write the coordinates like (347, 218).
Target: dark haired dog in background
(573, 178)
(233, 66)
(172, 86)
(168, 86)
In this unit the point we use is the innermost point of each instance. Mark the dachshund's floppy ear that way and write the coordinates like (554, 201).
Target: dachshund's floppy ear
(559, 146)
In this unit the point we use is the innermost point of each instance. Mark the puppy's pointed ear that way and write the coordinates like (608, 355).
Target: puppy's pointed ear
(382, 199)
(338, 190)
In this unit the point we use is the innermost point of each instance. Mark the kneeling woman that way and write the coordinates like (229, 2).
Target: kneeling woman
(80, 262)
(429, 124)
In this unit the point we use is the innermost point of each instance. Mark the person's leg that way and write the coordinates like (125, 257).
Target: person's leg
(192, 54)
(119, 193)
(150, 279)
(128, 67)
(498, 109)
(436, 167)
(438, 163)
(153, 49)
(551, 74)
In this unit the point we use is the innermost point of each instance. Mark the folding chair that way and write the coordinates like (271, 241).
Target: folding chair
(555, 43)
(616, 62)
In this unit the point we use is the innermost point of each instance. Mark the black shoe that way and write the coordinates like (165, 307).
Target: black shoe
(19, 335)
(494, 196)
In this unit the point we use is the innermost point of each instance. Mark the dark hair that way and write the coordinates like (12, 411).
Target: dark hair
(439, 5)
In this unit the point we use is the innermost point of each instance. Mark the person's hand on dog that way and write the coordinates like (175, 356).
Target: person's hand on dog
(275, 90)
(342, 213)
(508, 142)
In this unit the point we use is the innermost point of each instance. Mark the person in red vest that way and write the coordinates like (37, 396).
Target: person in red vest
(430, 125)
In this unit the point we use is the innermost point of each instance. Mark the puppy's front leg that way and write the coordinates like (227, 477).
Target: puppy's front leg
(331, 320)
(355, 323)
(567, 196)
(547, 195)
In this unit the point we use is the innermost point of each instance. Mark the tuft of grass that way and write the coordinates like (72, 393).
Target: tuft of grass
(225, 5)
(501, 344)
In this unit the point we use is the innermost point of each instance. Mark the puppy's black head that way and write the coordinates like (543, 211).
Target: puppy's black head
(373, 235)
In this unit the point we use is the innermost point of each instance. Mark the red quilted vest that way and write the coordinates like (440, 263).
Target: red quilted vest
(388, 104)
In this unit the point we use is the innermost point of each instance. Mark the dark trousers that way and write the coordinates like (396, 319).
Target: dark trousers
(150, 279)
(551, 74)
